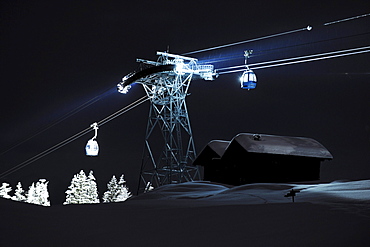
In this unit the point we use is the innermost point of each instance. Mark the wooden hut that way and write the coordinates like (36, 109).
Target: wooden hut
(256, 158)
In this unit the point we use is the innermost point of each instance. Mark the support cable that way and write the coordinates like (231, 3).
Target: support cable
(59, 120)
(312, 59)
(308, 28)
(289, 61)
(264, 52)
(296, 58)
(346, 19)
(74, 137)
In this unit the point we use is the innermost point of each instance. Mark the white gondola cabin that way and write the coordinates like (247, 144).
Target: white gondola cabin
(248, 80)
(92, 147)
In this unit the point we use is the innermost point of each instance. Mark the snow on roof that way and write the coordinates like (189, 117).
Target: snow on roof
(214, 149)
(265, 144)
(282, 145)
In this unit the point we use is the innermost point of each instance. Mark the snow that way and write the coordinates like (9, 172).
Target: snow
(262, 193)
(201, 214)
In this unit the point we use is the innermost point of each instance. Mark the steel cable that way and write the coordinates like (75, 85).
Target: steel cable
(74, 137)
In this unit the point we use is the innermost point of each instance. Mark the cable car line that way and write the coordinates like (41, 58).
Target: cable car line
(346, 19)
(308, 28)
(123, 110)
(311, 60)
(97, 98)
(261, 65)
(269, 51)
(74, 137)
(60, 119)
(301, 57)
(289, 61)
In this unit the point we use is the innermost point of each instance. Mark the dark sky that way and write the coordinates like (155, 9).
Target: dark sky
(57, 55)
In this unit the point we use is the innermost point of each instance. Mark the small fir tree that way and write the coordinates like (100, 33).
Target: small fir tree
(93, 194)
(124, 191)
(19, 193)
(117, 192)
(42, 193)
(4, 191)
(31, 195)
(38, 194)
(111, 194)
(82, 189)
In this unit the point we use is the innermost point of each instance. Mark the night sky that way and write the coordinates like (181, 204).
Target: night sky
(58, 55)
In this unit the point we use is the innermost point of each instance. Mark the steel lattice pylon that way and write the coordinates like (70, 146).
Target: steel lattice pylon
(169, 116)
(169, 146)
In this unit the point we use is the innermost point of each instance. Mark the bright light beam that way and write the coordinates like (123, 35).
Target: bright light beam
(308, 28)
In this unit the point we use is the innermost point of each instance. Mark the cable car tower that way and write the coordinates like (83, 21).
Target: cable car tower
(169, 146)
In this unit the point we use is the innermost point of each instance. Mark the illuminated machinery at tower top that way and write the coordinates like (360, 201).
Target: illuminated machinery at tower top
(159, 77)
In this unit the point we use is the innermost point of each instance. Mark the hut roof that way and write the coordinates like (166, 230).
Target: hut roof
(214, 149)
(283, 145)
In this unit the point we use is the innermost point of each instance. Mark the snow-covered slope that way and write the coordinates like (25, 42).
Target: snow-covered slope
(338, 191)
(201, 214)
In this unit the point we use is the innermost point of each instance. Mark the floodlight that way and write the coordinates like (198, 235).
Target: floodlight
(180, 67)
(122, 89)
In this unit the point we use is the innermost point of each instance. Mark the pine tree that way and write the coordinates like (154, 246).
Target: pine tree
(31, 195)
(75, 190)
(4, 191)
(117, 192)
(19, 194)
(111, 194)
(38, 194)
(42, 192)
(124, 191)
(82, 189)
(93, 194)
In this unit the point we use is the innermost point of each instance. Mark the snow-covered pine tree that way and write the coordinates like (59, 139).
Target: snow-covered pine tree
(42, 192)
(4, 191)
(124, 191)
(93, 194)
(31, 195)
(117, 192)
(38, 194)
(82, 189)
(75, 190)
(19, 193)
(109, 195)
